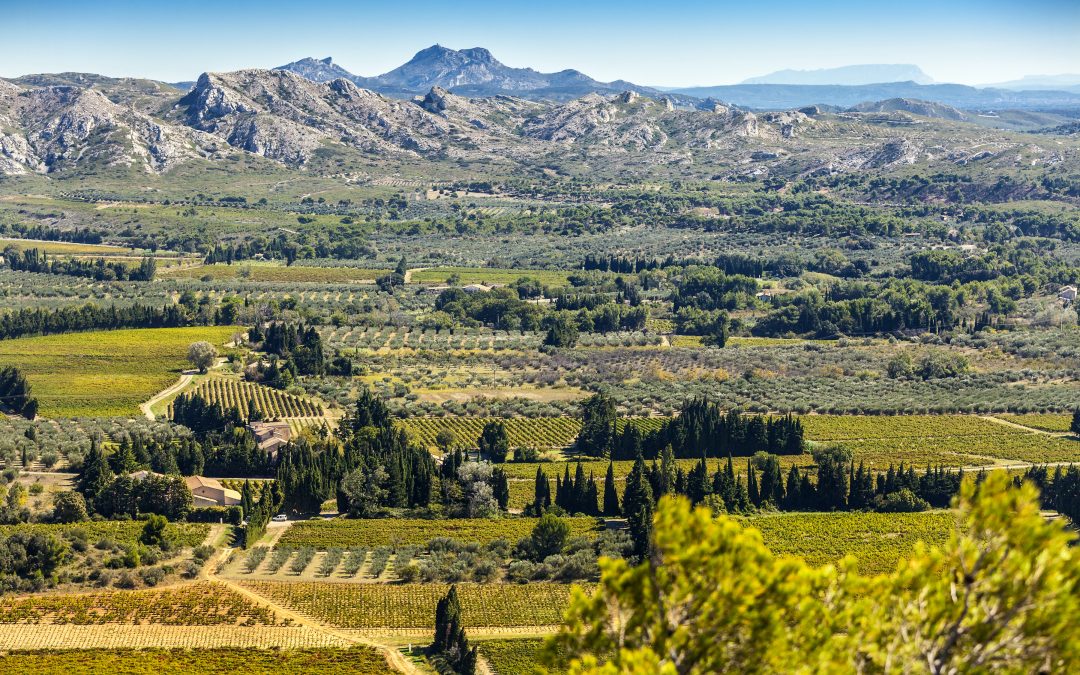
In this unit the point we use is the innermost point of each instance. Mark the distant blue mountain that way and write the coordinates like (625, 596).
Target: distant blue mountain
(787, 96)
(847, 75)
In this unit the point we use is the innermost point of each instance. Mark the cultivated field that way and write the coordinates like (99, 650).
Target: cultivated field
(274, 273)
(386, 607)
(323, 534)
(104, 373)
(271, 403)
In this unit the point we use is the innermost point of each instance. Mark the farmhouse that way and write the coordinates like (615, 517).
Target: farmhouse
(209, 492)
(1067, 295)
(271, 436)
(476, 288)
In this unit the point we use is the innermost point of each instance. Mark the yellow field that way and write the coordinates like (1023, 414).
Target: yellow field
(487, 276)
(64, 247)
(104, 373)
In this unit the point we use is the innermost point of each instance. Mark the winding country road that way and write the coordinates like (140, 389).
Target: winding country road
(185, 380)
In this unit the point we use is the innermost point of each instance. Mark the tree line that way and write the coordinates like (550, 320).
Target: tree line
(34, 260)
(41, 321)
(702, 428)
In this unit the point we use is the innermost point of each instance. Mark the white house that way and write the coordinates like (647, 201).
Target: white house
(1067, 295)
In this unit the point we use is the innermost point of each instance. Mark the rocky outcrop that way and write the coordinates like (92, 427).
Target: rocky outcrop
(913, 107)
(60, 127)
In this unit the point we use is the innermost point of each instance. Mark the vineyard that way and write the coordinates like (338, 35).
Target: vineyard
(129, 637)
(1043, 422)
(121, 531)
(539, 433)
(271, 403)
(326, 534)
(408, 606)
(198, 604)
(104, 373)
(354, 661)
(265, 273)
(509, 657)
(951, 440)
(877, 540)
(487, 276)
(543, 432)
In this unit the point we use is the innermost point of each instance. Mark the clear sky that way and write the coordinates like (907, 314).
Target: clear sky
(673, 43)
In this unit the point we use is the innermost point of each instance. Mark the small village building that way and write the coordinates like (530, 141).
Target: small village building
(271, 436)
(476, 288)
(206, 492)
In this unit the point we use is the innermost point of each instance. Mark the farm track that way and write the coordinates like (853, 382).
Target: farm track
(1014, 425)
(394, 658)
(146, 408)
(185, 380)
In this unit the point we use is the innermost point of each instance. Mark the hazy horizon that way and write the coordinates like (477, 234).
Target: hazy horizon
(680, 45)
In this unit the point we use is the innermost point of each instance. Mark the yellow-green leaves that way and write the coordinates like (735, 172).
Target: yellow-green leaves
(1001, 595)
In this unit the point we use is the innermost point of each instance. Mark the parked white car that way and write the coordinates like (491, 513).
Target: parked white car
(280, 518)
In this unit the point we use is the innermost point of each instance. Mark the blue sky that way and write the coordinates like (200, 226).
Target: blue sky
(674, 43)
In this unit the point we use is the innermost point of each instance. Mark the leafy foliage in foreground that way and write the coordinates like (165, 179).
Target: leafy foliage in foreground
(1000, 595)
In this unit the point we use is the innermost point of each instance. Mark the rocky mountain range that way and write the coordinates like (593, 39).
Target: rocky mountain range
(71, 124)
(471, 72)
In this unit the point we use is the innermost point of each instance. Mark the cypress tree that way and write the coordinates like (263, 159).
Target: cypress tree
(541, 493)
(638, 506)
(611, 495)
(501, 488)
(752, 485)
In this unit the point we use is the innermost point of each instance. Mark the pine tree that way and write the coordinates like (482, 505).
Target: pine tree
(697, 482)
(611, 495)
(96, 474)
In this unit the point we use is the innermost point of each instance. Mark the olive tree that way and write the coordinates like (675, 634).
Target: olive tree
(202, 355)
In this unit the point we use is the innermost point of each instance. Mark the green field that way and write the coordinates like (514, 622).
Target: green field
(121, 531)
(877, 540)
(518, 656)
(198, 604)
(405, 606)
(64, 247)
(487, 276)
(266, 272)
(950, 440)
(525, 432)
(324, 534)
(1044, 422)
(355, 661)
(104, 373)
